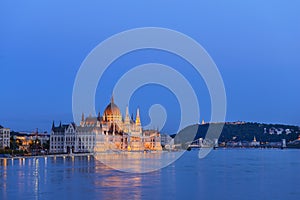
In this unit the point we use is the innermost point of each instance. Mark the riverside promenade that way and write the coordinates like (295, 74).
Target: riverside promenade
(49, 156)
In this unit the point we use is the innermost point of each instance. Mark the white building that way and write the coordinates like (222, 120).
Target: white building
(62, 138)
(4, 137)
(166, 139)
(103, 133)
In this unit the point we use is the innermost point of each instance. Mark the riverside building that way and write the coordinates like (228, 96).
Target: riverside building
(109, 132)
(4, 137)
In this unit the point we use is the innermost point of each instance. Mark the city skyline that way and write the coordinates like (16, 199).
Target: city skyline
(256, 53)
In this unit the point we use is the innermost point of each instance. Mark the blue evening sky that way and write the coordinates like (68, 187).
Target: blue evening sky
(255, 44)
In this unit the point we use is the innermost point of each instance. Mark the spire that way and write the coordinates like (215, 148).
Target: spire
(53, 126)
(112, 99)
(99, 117)
(60, 124)
(82, 120)
(127, 111)
(127, 118)
(138, 120)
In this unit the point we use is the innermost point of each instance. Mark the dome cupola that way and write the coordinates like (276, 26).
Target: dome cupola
(112, 111)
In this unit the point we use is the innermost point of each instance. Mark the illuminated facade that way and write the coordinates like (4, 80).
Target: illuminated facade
(4, 137)
(109, 132)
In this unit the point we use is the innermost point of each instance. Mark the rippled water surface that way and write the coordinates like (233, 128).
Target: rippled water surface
(223, 174)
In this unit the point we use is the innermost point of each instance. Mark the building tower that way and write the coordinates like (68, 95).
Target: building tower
(138, 119)
(82, 120)
(127, 121)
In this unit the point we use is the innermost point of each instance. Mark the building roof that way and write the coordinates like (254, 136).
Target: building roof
(86, 128)
(60, 128)
(112, 108)
(91, 120)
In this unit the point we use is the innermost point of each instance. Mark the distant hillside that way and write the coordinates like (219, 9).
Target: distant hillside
(240, 131)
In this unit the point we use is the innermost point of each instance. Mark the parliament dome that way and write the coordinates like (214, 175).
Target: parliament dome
(112, 109)
(112, 112)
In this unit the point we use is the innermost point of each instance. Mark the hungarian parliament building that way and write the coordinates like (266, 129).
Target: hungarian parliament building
(109, 132)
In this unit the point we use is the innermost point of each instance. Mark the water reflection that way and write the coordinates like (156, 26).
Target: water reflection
(117, 185)
(36, 177)
(33, 178)
(4, 176)
(138, 162)
(218, 176)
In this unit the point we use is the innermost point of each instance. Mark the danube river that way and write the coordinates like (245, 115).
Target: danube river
(223, 174)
